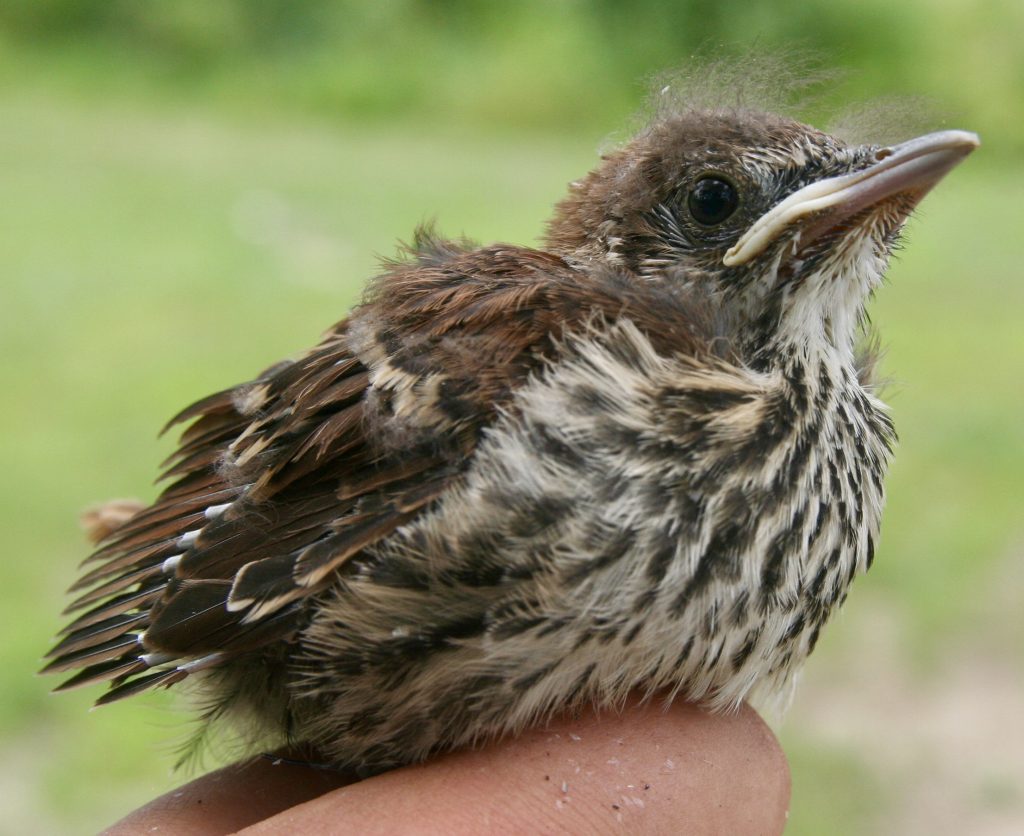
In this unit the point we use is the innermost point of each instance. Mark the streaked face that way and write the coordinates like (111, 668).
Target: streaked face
(776, 219)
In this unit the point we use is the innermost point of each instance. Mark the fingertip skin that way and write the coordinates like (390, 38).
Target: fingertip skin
(645, 769)
(230, 799)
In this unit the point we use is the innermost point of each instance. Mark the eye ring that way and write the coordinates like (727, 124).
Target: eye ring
(712, 200)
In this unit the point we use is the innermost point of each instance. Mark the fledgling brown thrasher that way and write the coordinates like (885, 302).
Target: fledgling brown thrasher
(516, 480)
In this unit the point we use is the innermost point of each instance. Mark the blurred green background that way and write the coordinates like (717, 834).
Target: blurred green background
(190, 190)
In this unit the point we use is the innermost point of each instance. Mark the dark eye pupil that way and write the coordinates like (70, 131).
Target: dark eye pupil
(711, 201)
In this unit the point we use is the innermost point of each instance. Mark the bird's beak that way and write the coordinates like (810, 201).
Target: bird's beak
(911, 168)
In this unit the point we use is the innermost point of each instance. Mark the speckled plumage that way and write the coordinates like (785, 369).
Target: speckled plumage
(515, 480)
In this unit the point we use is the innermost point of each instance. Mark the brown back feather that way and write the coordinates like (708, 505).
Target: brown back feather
(319, 458)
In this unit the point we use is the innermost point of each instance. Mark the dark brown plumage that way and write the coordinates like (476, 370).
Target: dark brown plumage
(517, 479)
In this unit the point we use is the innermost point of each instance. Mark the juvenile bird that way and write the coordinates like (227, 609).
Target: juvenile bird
(517, 480)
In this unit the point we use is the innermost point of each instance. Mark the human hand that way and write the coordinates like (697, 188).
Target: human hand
(642, 770)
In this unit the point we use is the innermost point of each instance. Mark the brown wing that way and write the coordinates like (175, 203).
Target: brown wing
(279, 482)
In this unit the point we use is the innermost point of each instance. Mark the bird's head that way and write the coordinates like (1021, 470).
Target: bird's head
(785, 228)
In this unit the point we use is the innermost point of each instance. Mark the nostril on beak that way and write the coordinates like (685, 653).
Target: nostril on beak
(882, 153)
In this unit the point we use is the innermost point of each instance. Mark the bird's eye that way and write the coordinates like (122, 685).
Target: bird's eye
(712, 200)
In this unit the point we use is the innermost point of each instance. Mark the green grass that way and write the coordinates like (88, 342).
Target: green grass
(952, 321)
(835, 801)
(154, 251)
